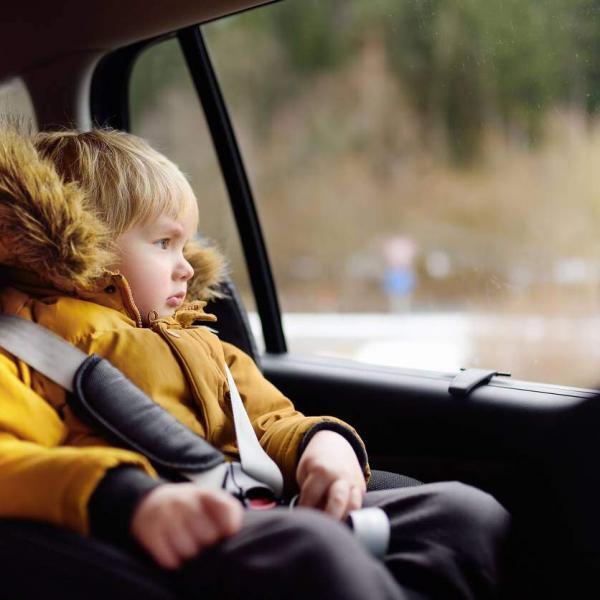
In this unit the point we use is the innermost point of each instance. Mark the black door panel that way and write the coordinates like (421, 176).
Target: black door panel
(398, 412)
(499, 434)
(533, 447)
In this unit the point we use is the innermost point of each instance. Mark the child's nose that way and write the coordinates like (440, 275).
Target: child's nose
(185, 270)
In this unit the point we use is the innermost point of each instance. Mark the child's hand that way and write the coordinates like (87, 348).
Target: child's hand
(174, 522)
(330, 476)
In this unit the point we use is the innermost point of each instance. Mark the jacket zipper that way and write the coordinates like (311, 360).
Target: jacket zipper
(130, 302)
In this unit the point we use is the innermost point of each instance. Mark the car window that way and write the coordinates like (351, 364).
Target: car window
(15, 103)
(426, 173)
(165, 110)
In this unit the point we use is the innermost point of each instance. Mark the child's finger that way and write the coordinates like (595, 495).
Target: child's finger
(313, 491)
(225, 513)
(338, 499)
(203, 527)
(182, 541)
(356, 498)
(161, 551)
(204, 532)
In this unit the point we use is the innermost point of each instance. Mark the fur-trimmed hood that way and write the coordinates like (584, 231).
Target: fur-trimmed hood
(48, 227)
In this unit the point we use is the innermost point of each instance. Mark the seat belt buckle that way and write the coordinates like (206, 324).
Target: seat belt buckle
(253, 494)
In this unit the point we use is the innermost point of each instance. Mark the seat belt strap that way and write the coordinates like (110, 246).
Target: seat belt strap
(255, 461)
(134, 421)
(41, 349)
(61, 362)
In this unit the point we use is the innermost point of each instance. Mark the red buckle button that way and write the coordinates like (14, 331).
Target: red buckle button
(261, 504)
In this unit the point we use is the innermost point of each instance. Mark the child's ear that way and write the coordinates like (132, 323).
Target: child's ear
(209, 270)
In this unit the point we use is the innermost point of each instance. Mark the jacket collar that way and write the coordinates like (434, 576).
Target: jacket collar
(111, 290)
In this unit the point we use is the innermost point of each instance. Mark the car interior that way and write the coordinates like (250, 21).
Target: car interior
(532, 445)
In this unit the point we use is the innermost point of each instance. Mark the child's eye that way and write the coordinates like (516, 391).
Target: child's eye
(162, 243)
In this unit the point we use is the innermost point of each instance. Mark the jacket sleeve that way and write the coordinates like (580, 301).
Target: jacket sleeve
(39, 478)
(113, 503)
(282, 430)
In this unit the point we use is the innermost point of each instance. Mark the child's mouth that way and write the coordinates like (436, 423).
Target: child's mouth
(176, 300)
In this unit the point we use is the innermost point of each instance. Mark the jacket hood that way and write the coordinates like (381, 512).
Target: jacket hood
(48, 227)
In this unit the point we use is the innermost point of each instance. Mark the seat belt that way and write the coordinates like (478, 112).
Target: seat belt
(152, 431)
(71, 368)
(255, 461)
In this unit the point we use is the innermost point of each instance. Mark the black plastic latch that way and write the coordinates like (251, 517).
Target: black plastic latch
(468, 379)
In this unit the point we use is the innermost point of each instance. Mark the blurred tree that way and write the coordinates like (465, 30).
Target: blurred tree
(154, 72)
(465, 63)
(315, 35)
(580, 66)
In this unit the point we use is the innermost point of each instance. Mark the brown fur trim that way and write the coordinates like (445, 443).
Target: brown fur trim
(209, 271)
(44, 224)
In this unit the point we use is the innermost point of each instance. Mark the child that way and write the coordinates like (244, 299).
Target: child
(96, 244)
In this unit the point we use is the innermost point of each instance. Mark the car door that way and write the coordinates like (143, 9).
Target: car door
(413, 207)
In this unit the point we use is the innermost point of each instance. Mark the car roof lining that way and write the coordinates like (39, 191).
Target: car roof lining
(38, 32)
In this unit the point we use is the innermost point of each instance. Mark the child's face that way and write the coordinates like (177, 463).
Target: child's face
(151, 258)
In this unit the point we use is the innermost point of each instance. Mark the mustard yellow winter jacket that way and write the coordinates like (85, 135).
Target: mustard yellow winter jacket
(53, 257)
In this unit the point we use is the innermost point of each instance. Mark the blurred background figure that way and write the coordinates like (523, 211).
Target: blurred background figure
(399, 278)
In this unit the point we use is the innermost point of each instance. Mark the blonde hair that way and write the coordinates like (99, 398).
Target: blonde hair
(125, 181)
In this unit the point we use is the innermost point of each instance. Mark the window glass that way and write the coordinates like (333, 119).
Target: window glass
(165, 110)
(427, 177)
(15, 103)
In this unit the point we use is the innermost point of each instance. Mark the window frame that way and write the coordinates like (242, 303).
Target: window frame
(110, 108)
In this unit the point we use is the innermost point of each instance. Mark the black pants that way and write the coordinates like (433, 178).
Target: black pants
(447, 540)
